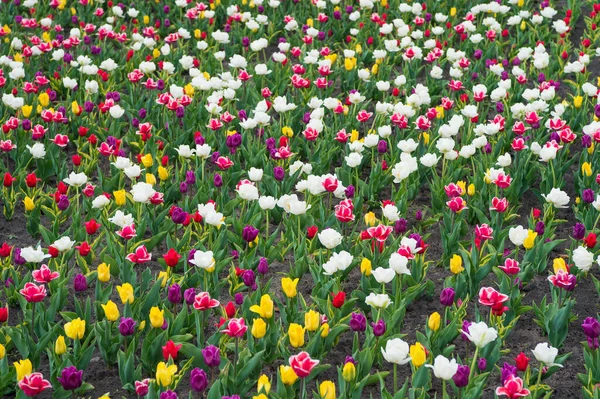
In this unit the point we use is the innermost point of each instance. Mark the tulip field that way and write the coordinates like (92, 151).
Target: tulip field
(272, 199)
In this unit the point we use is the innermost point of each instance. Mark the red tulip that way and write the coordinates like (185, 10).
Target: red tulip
(33, 293)
(236, 328)
(330, 184)
(339, 299)
(84, 249)
(5, 250)
(8, 180)
(590, 241)
(31, 180)
(53, 251)
(34, 384)
(230, 309)
(302, 364)
(311, 232)
(522, 361)
(203, 301)
(44, 275)
(3, 314)
(91, 227)
(170, 350)
(171, 258)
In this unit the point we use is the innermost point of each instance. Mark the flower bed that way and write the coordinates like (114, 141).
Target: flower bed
(311, 199)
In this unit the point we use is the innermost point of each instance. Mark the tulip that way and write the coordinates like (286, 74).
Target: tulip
(212, 356)
(327, 389)
(358, 322)
(461, 378)
(296, 335)
(259, 328)
(289, 286)
(456, 264)
(164, 374)
(434, 321)
(198, 380)
(263, 384)
(3, 314)
(417, 354)
(23, 368)
(2, 351)
(157, 318)
(379, 328)
(288, 375)
(75, 329)
(103, 272)
(34, 384)
(80, 283)
(70, 378)
(126, 293)
(349, 372)
(513, 388)
(170, 350)
(127, 326)
(522, 361)
(111, 311)
(311, 320)
(265, 309)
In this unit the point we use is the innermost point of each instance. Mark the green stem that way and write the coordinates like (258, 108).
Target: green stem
(32, 320)
(473, 363)
(539, 381)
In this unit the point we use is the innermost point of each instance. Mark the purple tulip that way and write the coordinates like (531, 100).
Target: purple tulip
(80, 283)
(189, 295)
(358, 322)
(70, 378)
(461, 378)
(400, 226)
(174, 293)
(447, 296)
(279, 173)
(540, 227)
(249, 278)
(349, 192)
(63, 202)
(238, 298)
(263, 266)
(507, 371)
(588, 196)
(482, 364)
(578, 231)
(127, 326)
(249, 233)
(168, 395)
(218, 180)
(198, 380)
(465, 329)
(17, 258)
(379, 328)
(212, 356)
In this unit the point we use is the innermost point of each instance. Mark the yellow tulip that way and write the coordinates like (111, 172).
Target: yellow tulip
(150, 179)
(162, 277)
(456, 264)
(75, 329)
(530, 240)
(310, 22)
(559, 264)
(520, 3)
(188, 89)
(265, 309)
(577, 200)
(375, 69)
(259, 328)
(111, 311)
(434, 321)
(103, 272)
(471, 190)
(146, 20)
(23, 368)
(366, 267)
(142, 325)
(287, 131)
(353, 135)
(26, 109)
(197, 34)
(76, 108)
(327, 390)
(417, 354)
(289, 286)
(18, 57)
(358, 49)
(29, 204)
(120, 197)
(2, 351)
(349, 63)
(324, 330)
(384, 3)
(44, 99)
(453, 11)
(60, 346)
(260, 396)
(164, 374)
(156, 53)
(370, 219)
(523, 25)
(590, 149)
(263, 384)
(463, 186)
(163, 174)
(577, 101)
(296, 334)
(349, 372)
(288, 375)
(439, 112)
(311, 320)
(157, 318)
(126, 293)
(586, 169)
(147, 160)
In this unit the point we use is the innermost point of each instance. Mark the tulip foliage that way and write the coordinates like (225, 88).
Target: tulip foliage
(259, 199)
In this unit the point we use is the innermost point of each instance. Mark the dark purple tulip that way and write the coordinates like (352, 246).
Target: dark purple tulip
(447, 296)
(588, 195)
(168, 395)
(242, 115)
(183, 187)
(507, 371)
(199, 140)
(179, 215)
(249, 278)
(127, 326)
(198, 380)
(499, 107)
(482, 364)
(474, 76)
(80, 283)
(586, 141)
(142, 113)
(88, 106)
(349, 359)
(597, 110)
(419, 215)
(465, 329)
(160, 84)
(245, 41)
(212, 356)
(249, 233)
(174, 293)
(52, 94)
(349, 192)
(554, 136)
(180, 112)
(591, 327)
(358, 322)
(279, 173)
(218, 180)
(189, 295)
(379, 328)
(270, 143)
(540, 227)
(26, 124)
(487, 148)
(190, 177)
(17, 258)
(87, 40)
(337, 15)
(478, 54)
(63, 202)
(541, 77)
(400, 226)
(238, 298)
(235, 254)
(263, 266)
(461, 378)
(166, 9)
(382, 147)
(135, 122)
(70, 378)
